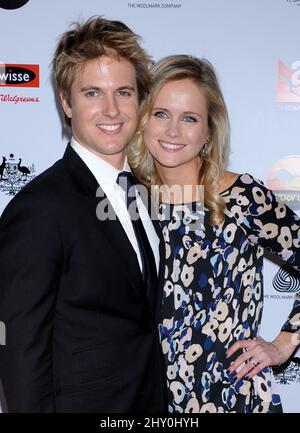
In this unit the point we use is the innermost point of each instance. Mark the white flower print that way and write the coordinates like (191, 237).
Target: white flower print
(242, 265)
(193, 254)
(258, 195)
(187, 242)
(172, 371)
(168, 288)
(229, 233)
(268, 231)
(257, 291)
(178, 391)
(193, 352)
(285, 238)
(208, 329)
(242, 200)
(248, 277)
(221, 311)
(225, 329)
(180, 297)
(166, 234)
(176, 270)
(280, 211)
(168, 250)
(187, 275)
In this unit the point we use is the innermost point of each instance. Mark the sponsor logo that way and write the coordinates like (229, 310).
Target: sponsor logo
(156, 4)
(288, 86)
(12, 4)
(289, 375)
(287, 279)
(294, 2)
(284, 179)
(19, 75)
(13, 175)
(15, 99)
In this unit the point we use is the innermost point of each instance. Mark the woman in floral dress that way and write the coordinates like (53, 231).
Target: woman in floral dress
(213, 283)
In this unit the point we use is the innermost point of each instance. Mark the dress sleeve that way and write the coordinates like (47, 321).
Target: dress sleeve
(270, 224)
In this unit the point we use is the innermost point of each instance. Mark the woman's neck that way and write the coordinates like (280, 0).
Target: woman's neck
(180, 184)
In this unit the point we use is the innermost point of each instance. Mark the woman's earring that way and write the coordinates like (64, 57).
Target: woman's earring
(204, 150)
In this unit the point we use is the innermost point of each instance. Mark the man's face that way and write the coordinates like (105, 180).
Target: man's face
(104, 107)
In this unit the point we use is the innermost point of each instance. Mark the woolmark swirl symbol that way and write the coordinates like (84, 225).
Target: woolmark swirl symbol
(287, 279)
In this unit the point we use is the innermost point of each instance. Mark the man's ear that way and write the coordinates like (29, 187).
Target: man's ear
(65, 104)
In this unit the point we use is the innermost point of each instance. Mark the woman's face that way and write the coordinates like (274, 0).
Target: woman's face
(178, 125)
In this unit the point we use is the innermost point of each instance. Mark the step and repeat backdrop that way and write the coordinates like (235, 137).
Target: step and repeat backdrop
(254, 46)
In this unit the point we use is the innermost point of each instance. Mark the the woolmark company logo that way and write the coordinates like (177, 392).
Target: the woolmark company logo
(287, 279)
(12, 75)
(12, 4)
(14, 175)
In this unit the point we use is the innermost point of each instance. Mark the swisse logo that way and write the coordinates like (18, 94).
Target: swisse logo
(19, 75)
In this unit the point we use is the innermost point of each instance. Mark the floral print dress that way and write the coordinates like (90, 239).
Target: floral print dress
(213, 296)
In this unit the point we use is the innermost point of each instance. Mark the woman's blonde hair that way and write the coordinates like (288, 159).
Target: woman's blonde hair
(201, 72)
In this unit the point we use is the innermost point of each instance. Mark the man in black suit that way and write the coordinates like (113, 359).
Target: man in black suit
(77, 290)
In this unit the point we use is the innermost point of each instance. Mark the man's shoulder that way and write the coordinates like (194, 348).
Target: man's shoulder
(44, 188)
(48, 180)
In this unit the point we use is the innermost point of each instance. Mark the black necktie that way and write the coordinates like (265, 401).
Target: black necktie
(126, 181)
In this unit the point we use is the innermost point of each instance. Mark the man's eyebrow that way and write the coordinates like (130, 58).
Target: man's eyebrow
(91, 87)
(127, 87)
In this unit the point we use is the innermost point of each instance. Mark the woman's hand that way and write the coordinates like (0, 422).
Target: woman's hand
(259, 354)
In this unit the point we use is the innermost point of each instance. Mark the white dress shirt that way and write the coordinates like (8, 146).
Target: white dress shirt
(106, 176)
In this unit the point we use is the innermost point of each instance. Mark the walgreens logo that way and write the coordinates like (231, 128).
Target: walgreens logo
(19, 75)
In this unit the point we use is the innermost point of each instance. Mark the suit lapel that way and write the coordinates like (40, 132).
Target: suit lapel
(161, 272)
(112, 230)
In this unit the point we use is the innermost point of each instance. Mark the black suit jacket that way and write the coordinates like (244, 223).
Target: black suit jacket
(79, 333)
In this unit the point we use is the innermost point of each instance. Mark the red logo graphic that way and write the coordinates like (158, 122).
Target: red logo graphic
(284, 180)
(19, 75)
(288, 83)
(285, 174)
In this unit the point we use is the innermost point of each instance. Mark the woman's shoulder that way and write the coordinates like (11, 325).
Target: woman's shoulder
(244, 180)
(228, 180)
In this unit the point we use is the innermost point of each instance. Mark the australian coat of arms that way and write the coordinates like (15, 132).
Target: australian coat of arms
(14, 175)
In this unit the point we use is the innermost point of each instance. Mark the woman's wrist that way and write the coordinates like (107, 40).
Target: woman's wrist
(274, 344)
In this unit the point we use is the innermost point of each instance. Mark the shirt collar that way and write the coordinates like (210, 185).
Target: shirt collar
(105, 173)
